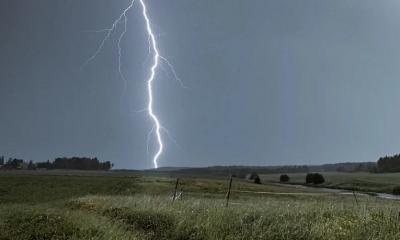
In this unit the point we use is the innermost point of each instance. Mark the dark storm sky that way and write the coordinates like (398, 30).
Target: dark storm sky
(270, 82)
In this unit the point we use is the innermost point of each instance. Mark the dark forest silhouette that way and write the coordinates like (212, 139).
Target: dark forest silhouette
(73, 163)
(389, 164)
(385, 164)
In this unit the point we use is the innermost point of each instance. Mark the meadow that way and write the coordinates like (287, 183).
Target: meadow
(359, 181)
(87, 205)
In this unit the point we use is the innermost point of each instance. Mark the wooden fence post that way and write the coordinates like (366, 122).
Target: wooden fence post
(229, 191)
(355, 197)
(176, 187)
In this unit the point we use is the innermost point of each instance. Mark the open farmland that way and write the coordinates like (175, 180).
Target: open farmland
(80, 205)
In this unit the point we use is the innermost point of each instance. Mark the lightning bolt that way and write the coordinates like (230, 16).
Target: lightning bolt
(156, 59)
(153, 68)
(109, 32)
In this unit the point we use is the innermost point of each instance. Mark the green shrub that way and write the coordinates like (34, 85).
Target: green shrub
(309, 178)
(318, 178)
(314, 178)
(257, 180)
(251, 176)
(284, 178)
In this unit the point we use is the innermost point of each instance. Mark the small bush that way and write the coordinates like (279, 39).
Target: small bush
(257, 180)
(314, 178)
(251, 176)
(318, 178)
(284, 178)
(396, 190)
(309, 178)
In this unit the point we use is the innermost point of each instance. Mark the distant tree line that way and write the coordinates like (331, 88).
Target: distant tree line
(345, 167)
(389, 164)
(239, 171)
(11, 163)
(80, 164)
(243, 171)
(74, 163)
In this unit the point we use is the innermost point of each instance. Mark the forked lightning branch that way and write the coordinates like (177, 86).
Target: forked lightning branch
(156, 58)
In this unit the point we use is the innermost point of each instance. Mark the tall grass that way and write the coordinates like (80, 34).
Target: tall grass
(123, 208)
(259, 218)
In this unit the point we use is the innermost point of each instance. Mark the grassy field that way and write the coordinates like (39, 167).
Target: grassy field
(367, 182)
(79, 205)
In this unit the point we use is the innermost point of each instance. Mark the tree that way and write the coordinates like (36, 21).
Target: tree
(251, 176)
(254, 177)
(31, 165)
(80, 163)
(318, 178)
(105, 166)
(13, 164)
(314, 178)
(284, 178)
(43, 165)
(389, 164)
(309, 178)
(257, 180)
(2, 160)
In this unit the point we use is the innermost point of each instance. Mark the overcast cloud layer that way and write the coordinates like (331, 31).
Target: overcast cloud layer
(269, 82)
